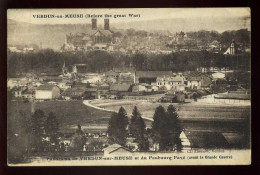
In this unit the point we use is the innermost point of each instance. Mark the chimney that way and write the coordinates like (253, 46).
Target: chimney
(94, 24)
(106, 24)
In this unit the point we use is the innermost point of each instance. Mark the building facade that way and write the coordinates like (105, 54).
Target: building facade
(47, 92)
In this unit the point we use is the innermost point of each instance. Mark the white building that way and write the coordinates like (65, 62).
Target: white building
(193, 82)
(171, 82)
(47, 92)
(232, 49)
(218, 75)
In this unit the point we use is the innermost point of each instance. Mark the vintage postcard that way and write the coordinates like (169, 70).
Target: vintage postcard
(108, 87)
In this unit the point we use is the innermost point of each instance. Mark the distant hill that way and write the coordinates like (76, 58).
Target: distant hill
(51, 36)
(188, 24)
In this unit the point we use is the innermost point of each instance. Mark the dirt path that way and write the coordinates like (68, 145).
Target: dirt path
(87, 103)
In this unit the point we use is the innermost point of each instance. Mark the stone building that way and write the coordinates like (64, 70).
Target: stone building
(95, 39)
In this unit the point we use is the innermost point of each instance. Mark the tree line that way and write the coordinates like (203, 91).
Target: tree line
(164, 134)
(49, 61)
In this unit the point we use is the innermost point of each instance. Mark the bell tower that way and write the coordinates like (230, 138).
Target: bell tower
(106, 24)
(94, 24)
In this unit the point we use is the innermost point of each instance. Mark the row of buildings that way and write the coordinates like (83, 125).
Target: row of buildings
(110, 84)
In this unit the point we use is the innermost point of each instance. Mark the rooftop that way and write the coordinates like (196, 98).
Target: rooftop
(120, 87)
(153, 74)
(46, 87)
(114, 147)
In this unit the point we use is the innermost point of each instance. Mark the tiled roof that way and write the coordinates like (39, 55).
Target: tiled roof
(120, 87)
(152, 74)
(69, 91)
(46, 87)
(114, 147)
(111, 73)
(91, 89)
(170, 78)
(102, 31)
(194, 78)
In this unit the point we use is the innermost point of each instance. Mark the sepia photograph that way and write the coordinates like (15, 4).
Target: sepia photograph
(133, 86)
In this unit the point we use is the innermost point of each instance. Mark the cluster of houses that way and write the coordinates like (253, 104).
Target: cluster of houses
(109, 85)
(156, 43)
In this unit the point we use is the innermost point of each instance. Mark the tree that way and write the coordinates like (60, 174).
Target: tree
(52, 128)
(174, 128)
(137, 130)
(166, 129)
(79, 139)
(122, 119)
(38, 130)
(160, 128)
(117, 127)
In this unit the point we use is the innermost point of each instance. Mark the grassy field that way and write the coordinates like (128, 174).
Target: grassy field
(187, 111)
(69, 114)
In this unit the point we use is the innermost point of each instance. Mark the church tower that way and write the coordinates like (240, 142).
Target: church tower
(64, 69)
(106, 24)
(232, 48)
(94, 24)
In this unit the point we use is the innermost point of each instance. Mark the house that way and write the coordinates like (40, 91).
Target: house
(116, 149)
(92, 78)
(91, 92)
(79, 84)
(13, 82)
(74, 93)
(193, 82)
(64, 85)
(149, 76)
(50, 78)
(126, 78)
(28, 94)
(103, 89)
(171, 82)
(206, 81)
(47, 92)
(218, 75)
(52, 83)
(139, 88)
(120, 87)
(111, 73)
(17, 91)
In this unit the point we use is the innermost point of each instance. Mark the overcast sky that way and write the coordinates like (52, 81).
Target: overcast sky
(26, 15)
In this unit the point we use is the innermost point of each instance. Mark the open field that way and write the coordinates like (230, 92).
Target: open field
(208, 121)
(187, 111)
(69, 114)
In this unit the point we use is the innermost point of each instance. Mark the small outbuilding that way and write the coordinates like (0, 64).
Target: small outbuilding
(116, 149)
